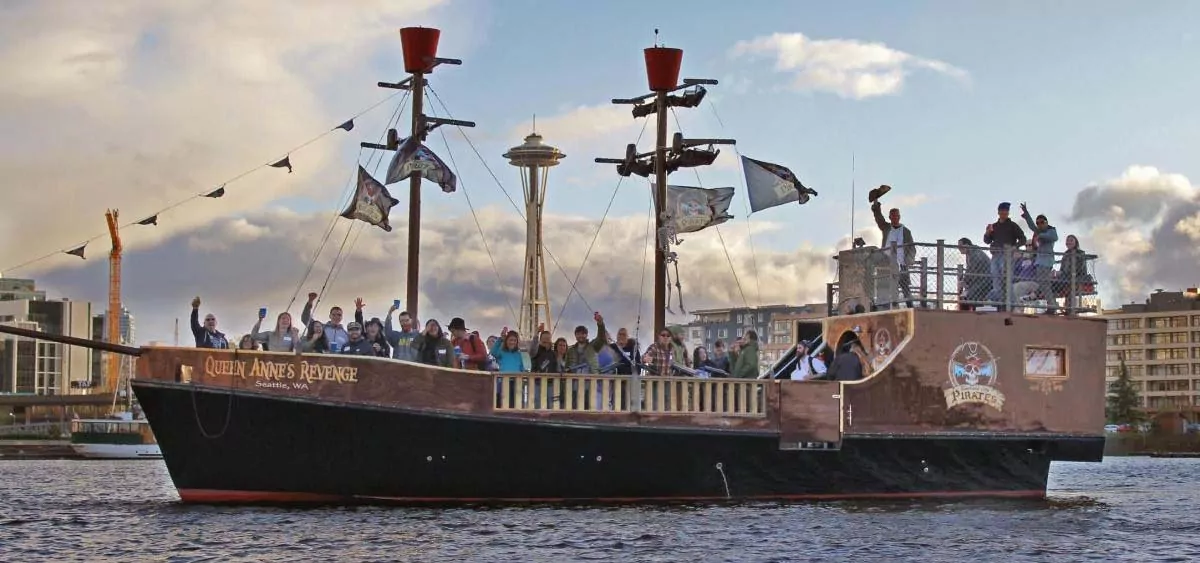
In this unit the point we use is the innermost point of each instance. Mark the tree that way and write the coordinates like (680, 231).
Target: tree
(1123, 401)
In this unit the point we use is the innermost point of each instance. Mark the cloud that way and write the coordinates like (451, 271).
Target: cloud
(259, 260)
(908, 201)
(846, 67)
(583, 123)
(1144, 225)
(1142, 193)
(138, 106)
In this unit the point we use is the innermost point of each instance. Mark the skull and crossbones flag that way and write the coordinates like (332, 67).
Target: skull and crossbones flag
(372, 203)
(413, 157)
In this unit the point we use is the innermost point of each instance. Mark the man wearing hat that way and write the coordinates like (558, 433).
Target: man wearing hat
(357, 345)
(897, 240)
(474, 352)
(1002, 236)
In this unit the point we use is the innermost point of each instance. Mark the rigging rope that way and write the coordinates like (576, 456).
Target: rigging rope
(500, 184)
(357, 228)
(745, 206)
(721, 238)
(347, 193)
(482, 236)
(202, 194)
(595, 237)
(637, 330)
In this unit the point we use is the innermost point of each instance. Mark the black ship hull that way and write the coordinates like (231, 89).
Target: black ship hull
(253, 448)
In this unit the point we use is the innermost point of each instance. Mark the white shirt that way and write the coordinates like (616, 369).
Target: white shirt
(804, 372)
(894, 242)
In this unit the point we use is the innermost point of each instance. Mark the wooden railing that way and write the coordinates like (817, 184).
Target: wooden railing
(608, 394)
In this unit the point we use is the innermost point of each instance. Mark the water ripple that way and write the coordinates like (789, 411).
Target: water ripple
(1125, 509)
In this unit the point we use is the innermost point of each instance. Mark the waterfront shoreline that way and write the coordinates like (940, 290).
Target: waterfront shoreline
(11, 450)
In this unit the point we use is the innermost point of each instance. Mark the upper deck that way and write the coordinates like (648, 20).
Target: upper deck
(958, 277)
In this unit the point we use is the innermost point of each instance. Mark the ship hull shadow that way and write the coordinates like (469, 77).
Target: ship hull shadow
(246, 448)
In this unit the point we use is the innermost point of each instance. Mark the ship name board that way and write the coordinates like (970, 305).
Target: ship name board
(279, 371)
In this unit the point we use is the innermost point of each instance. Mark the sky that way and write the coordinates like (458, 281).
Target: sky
(1085, 110)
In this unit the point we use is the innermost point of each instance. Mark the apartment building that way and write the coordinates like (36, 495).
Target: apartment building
(44, 368)
(776, 326)
(1160, 343)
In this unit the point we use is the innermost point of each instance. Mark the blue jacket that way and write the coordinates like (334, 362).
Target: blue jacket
(509, 360)
(1045, 242)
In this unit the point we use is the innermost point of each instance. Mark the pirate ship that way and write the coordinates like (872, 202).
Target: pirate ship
(949, 403)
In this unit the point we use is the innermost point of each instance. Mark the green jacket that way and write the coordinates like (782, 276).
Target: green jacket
(745, 361)
(587, 353)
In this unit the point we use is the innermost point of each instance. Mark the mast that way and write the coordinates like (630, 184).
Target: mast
(662, 73)
(420, 57)
(535, 159)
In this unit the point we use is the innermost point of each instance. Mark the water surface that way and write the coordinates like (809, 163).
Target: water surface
(1125, 509)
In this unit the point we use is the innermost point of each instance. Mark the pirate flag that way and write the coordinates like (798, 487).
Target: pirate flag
(371, 202)
(769, 185)
(693, 209)
(415, 158)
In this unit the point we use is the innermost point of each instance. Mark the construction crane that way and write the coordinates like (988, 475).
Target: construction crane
(113, 361)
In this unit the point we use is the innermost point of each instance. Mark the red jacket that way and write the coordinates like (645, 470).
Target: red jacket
(475, 349)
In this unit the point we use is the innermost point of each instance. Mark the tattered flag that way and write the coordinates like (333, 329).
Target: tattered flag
(78, 251)
(372, 203)
(348, 125)
(415, 158)
(285, 163)
(217, 192)
(694, 209)
(151, 220)
(769, 185)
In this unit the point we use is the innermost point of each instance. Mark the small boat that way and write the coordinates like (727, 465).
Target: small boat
(120, 436)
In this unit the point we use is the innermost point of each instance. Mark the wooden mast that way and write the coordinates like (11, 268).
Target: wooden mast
(420, 57)
(662, 73)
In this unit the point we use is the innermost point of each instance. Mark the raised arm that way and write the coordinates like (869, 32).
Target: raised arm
(392, 336)
(601, 340)
(877, 213)
(306, 313)
(197, 330)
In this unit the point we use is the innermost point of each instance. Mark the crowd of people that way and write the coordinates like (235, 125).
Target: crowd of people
(1030, 261)
(1033, 274)
(460, 348)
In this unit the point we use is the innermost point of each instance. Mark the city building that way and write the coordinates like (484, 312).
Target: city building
(100, 332)
(777, 327)
(1159, 340)
(43, 368)
(15, 289)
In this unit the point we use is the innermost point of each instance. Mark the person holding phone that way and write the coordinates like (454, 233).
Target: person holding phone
(284, 338)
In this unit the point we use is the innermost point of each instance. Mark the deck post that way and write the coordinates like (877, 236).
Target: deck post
(939, 275)
(1007, 296)
(923, 285)
(1071, 291)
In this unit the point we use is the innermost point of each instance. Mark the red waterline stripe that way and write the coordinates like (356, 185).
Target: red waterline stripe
(219, 496)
